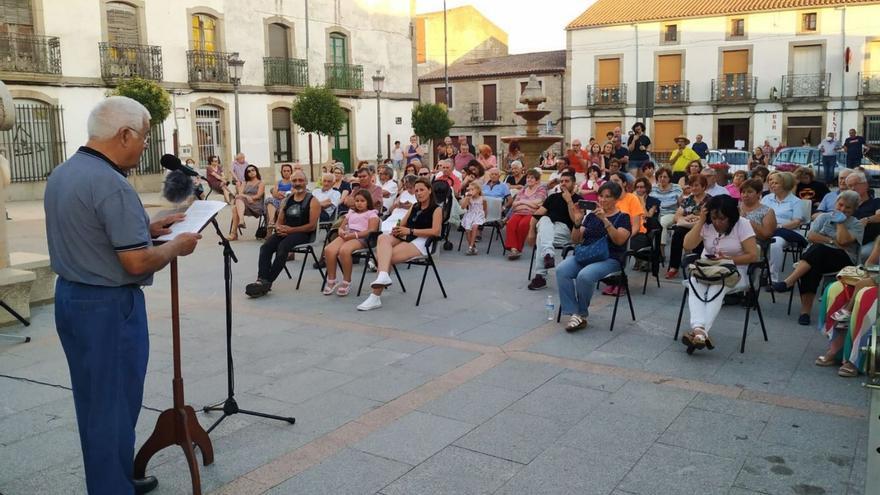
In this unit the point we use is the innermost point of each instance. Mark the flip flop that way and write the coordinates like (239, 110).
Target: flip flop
(848, 370)
(825, 361)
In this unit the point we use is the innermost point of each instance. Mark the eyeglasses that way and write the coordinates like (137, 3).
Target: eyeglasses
(145, 135)
(424, 173)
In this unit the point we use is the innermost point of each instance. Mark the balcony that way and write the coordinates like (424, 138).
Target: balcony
(30, 54)
(483, 114)
(606, 96)
(123, 60)
(278, 71)
(869, 85)
(207, 68)
(671, 93)
(734, 89)
(344, 77)
(799, 86)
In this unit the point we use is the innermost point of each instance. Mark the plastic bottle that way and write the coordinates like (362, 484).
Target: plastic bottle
(549, 308)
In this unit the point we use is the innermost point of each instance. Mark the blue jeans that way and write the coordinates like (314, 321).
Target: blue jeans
(576, 283)
(103, 331)
(829, 163)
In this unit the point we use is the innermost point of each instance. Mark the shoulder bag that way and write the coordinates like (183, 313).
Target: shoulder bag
(595, 251)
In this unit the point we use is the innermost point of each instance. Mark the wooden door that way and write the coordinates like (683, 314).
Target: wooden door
(490, 102)
(609, 72)
(341, 151)
(603, 128)
(279, 45)
(665, 132)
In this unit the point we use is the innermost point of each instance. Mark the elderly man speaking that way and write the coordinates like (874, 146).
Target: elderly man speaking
(100, 245)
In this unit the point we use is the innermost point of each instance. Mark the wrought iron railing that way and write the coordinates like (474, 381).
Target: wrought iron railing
(734, 87)
(150, 159)
(30, 53)
(122, 60)
(671, 92)
(480, 112)
(344, 76)
(285, 71)
(869, 83)
(606, 95)
(35, 144)
(207, 67)
(805, 85)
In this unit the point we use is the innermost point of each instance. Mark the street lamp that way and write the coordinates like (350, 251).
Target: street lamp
(378, 86)
(236, 66)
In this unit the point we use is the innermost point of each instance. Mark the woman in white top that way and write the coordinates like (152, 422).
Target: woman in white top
(789, 217)
(723, 235)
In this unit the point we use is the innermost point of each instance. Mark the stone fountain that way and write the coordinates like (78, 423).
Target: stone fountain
(532, 144)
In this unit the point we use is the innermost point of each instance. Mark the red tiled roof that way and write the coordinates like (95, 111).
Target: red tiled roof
(507, 65)
(609, 12)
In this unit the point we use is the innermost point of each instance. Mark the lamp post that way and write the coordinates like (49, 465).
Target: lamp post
(378, 86)
(236, 66)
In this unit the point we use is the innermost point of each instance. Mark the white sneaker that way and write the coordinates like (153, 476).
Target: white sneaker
(372, 302)
(383, 280)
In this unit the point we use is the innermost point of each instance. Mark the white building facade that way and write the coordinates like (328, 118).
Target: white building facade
(735, 74)
(59, 58)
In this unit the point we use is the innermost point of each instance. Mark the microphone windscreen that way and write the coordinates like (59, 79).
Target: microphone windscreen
(170, 162)
(178, 187)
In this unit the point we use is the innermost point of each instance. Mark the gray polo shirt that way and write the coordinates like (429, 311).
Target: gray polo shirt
(92, 213)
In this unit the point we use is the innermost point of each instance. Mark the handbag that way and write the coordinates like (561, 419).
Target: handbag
(595, 251)
(722, 273)
(851, 275)
(261, 232)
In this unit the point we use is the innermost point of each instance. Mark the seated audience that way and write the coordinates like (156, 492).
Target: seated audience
(761, 216)
(281, 190)
(475, 207)
(446, 175)
(695, 167)
(216, 181)
(516, 179)
(577, 280)
(523, 207)
(402, 204)
(485, 157)
(590, 187)
(835, 238)
(389, 187)
(669, 195)
(558, 215)
(354, 232)
(789, 216)
(830, 199)
(297, 223)
(725, 235)
(868, 211)
(739, 177)
(686, 217)
(407, 241)
(711, 175)
(808, 187)
(328, 197)
(249, 202)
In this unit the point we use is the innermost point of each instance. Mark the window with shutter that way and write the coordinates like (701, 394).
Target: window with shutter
(122, 24)
(16, 16)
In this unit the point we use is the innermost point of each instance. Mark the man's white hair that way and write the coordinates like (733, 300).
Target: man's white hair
(115, 113)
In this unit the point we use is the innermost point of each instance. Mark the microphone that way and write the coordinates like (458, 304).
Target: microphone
(178, 187)
(173, 163)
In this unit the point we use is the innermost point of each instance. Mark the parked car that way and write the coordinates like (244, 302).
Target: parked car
(732, 160)
(788, 159)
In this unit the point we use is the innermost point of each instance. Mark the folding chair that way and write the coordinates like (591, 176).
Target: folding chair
(563, 247)
(16, 338)
(493, 222)
(795, 250)
(750, 302)
(651, 254)
(618, 278)
(428, 262)
(367, 254)
(306, 250)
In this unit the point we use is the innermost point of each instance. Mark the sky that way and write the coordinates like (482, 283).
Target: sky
(531, 25)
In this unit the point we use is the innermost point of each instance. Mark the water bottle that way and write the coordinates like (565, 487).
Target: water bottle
(549, 308)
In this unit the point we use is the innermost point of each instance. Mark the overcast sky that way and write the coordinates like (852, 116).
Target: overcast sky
(532, 26)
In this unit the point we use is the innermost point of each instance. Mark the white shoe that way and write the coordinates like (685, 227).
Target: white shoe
(383, 280)
(372, 302)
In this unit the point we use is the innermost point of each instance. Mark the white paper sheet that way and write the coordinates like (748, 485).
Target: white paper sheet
(197, 216)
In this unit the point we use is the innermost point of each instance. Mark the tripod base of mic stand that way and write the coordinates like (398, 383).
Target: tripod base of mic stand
(230, 407)
(177, 426)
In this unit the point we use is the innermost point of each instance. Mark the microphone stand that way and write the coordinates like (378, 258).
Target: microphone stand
(229, 406)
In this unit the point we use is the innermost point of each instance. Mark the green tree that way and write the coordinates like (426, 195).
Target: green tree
(317, 110)
(431, 122)
(148, 94)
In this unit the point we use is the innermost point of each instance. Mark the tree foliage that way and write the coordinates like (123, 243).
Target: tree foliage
(148, 94)
(317, 110)
(431, 121)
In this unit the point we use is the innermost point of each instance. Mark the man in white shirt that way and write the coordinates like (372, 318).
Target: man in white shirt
(829, 148)
(714, 189)
(389, 187)
(327, 197)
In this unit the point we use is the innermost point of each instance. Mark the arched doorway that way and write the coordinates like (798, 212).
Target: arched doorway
(341, 143)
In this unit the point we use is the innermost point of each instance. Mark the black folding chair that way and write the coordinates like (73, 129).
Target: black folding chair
(306, 250)
(618, 278)
(651, 254)
(367, 254)
(428, 262)
(562, 247)
(750, 301)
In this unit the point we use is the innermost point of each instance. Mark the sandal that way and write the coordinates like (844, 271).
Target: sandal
(329, 287)
(343, 289)
(848, 370)
(671, 273)
(697, 339)
(575, 323)
(824, 360)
